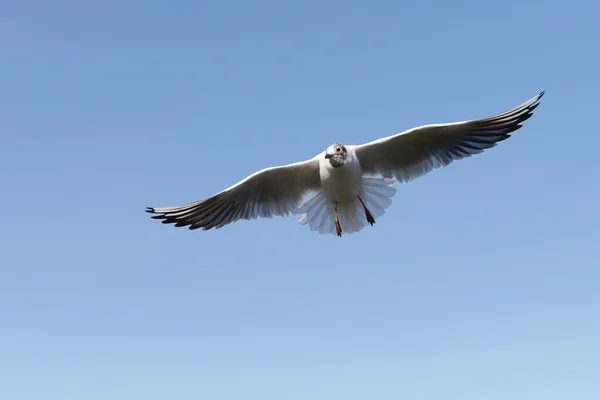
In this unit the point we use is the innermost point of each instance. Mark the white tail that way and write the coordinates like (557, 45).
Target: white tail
(319, 214)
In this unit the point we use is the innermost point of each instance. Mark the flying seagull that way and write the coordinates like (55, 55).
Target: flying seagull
(350, 184)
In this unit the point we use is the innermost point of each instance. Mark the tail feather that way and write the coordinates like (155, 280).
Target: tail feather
(319, 216)
(377, 201)
(327, 224)
(314, 213)
(375, 207)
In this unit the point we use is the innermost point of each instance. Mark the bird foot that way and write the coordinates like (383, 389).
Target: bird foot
(370, 218)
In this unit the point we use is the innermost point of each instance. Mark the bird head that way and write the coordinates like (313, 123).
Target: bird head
(336, 154)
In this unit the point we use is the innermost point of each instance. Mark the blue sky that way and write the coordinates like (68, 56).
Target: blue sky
(480, 282)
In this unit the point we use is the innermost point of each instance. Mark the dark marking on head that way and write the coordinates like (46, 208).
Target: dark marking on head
(336, 154)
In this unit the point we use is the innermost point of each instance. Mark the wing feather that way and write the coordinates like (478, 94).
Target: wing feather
(415, 152)
(271, 191)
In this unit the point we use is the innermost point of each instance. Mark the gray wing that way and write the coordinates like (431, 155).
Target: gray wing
(413, 153)
(272, 191)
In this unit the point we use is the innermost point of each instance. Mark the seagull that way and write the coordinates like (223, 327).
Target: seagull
(346, 187)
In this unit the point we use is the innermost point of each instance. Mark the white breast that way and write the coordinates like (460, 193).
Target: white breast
(343, 184)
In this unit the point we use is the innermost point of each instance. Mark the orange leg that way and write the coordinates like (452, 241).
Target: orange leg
(338, 228)
(370, 218)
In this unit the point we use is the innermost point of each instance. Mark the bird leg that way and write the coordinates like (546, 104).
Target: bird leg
(338, 228)
(370, 218)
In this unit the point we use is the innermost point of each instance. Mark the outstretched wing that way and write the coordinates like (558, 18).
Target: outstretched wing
(272, 191)
(415, 152)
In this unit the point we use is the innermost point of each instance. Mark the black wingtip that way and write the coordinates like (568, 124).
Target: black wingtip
(149, 210)
(533, 107)
(536, 101)
(539, 96)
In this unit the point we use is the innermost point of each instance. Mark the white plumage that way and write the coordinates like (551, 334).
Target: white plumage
(350, 184)
(318, 213)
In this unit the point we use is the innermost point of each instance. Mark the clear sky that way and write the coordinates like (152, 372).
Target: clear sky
(480, 282)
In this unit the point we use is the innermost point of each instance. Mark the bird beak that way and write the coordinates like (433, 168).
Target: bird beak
(327, 155)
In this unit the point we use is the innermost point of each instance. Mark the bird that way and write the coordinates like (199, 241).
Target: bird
(346, 187)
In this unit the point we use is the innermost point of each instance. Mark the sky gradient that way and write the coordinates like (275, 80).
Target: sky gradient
(480, 282)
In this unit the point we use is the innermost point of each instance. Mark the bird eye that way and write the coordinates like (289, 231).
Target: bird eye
(337, 149)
